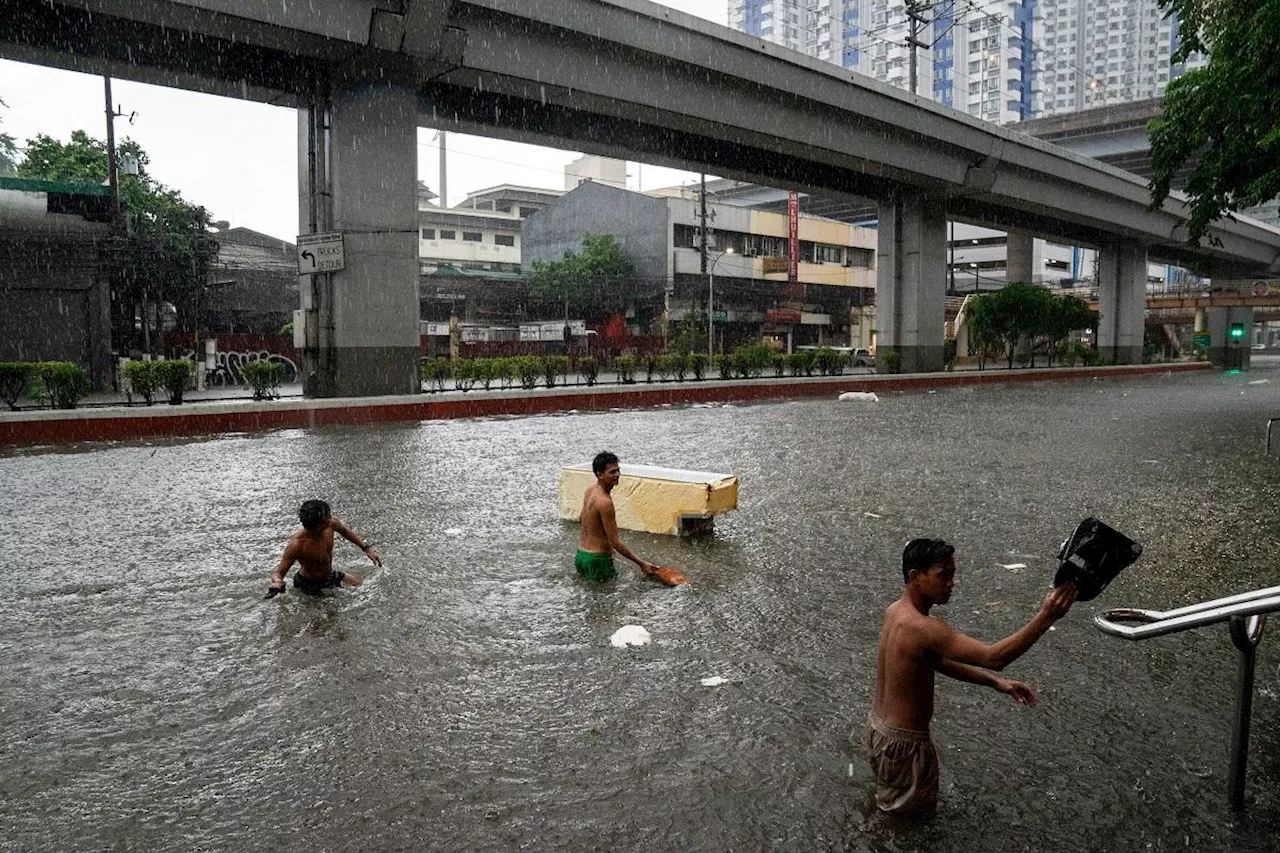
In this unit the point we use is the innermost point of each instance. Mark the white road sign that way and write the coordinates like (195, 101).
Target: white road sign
(320, 253)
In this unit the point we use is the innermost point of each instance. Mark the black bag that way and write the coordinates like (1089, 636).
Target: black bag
(1093, 556)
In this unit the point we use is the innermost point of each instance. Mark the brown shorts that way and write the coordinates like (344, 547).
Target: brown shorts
(906, 768)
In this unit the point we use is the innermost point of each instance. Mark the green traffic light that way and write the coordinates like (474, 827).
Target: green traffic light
(1237, 331)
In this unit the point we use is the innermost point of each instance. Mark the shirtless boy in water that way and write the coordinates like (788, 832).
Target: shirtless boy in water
(599, 539)
(913, 646)
(312, 549)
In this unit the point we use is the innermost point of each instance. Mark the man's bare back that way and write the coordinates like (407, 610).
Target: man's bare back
(592, 536)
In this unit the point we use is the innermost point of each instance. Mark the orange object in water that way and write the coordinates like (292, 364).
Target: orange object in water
(670, 575)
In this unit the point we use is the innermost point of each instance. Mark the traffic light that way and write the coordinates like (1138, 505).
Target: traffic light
(1237, 331)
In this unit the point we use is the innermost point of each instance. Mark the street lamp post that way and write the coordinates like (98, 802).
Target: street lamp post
(977, 284)
(711, 305)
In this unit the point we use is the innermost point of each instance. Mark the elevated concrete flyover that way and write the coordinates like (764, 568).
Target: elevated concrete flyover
(623, 78)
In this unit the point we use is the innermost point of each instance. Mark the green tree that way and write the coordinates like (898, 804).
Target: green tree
(1066, 314)
(594, 282)
(8, 150)
(165, 249)
(1222, 119)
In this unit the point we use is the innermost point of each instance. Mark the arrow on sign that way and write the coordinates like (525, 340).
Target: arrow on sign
(309, 257)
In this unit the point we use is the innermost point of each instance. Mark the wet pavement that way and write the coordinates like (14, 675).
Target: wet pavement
(468, 698)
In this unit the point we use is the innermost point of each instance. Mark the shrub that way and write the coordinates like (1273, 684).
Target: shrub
(828, 361)
(504, 370)
(779, 364)
(64, 383)
(801, 363)
(650, 367)
(698, 364)
(15, 381)
(264, 377)
(589, 368)
(464, 374)
(754, 360)
(142, 379)
(724, 365)
(434, 372)
(949, 355)
(485, 370)
(626, 367)
(680, 365)
(554, 366)
(891, 362)
(664, 365)
(175, 374)
(527, 369)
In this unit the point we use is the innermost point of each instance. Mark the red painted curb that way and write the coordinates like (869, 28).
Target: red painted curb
(110, 425)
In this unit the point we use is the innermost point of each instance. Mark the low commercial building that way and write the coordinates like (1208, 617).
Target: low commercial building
(54, 303)
(746, 287)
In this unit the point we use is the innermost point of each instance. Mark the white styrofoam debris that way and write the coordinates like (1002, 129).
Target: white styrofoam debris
(630, 635)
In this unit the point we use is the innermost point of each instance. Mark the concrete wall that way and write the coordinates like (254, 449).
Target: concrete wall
(638, 221)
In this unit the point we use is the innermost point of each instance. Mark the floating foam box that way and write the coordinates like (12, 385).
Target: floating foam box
(655, 500)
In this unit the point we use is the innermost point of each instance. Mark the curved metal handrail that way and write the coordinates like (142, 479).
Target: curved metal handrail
(1246, 614)
(1136, 624)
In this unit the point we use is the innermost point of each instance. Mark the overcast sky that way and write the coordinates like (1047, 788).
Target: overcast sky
(239, 158)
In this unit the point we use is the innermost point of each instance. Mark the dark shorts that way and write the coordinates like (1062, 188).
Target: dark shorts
(315, 586)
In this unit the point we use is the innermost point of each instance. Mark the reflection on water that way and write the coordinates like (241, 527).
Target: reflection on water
(467, 696)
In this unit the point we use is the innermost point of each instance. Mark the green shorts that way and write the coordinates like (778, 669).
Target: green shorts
(595, 567)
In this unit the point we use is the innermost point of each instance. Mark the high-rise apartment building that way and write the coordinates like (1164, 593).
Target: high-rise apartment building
(1000, 60)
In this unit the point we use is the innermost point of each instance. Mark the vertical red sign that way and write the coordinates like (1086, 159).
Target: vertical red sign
(793, 239)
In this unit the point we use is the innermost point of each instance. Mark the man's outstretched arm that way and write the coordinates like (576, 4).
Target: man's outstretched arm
(961, 648)
(1021, 693)
(609, 520)
(287, 560)
(350, 535)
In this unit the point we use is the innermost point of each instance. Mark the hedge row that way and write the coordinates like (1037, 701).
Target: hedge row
(528, 371)
(57, 384)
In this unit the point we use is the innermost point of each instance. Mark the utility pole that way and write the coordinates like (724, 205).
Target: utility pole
(915, 15)
(702, 216)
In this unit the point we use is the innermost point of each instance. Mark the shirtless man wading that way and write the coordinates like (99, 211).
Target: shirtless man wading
(312, 549)
(913, 646)
(599, 539)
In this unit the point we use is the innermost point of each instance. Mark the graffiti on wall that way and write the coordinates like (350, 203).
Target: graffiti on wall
(228, 367)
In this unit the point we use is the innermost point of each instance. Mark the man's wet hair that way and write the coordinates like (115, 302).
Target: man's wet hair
(920, 554)
(603, 460)
(313, 514)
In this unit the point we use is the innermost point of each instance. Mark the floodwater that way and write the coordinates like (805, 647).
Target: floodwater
(467, 697)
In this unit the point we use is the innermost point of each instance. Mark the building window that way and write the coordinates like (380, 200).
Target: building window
(527, 211)
(448, 235)
(504, 239)
(472, 237)
(428, 233)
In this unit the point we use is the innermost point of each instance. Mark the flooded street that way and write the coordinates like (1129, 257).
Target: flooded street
(467, 696)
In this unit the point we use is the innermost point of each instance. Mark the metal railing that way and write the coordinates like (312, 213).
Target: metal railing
(1246, 615)
(1270, 421)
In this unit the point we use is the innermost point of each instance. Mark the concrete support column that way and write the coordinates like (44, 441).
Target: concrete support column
(1122, 301)
(1201, 322)
(1019, 262)
(911, 282)
(1224, 352)
(358, 146)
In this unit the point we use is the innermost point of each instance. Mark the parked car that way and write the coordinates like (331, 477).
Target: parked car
(862, 357)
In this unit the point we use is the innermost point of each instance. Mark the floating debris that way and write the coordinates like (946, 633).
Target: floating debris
(630, 635)
(714, 681)
(859, 397)
(1012, 565)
